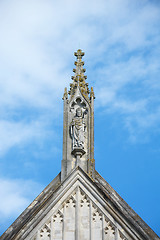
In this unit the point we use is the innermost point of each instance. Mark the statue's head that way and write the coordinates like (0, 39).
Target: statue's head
(78, 112)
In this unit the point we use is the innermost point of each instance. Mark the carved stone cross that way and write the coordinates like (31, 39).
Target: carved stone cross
(79, 54)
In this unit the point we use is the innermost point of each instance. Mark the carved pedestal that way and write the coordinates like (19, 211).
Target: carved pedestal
(78, 153)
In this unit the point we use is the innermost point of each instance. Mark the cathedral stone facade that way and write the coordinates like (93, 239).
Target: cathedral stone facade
(79, 204)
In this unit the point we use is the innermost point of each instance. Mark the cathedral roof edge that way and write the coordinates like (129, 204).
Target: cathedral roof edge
(104, 190)
(125, 209)
(18, 224)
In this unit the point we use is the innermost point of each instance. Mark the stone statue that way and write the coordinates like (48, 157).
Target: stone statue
(77, 130)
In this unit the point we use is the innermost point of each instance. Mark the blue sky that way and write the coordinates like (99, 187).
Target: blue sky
(121, 39)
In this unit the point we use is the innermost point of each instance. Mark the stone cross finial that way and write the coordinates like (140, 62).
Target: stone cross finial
(79, 71)
(79, 77)
(79, 54)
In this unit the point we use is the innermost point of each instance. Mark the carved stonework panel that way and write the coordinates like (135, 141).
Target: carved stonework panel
(78, 124)
(69, 219)
(45, 232)
(58, 218)
(96, 223)
(109, 230)
(57, 225)
(84, 216)
(85, 202)
(77, 130)
(79, 218)
(79, 102)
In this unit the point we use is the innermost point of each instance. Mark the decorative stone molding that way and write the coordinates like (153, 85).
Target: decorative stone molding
(83, 216)
(45, 232)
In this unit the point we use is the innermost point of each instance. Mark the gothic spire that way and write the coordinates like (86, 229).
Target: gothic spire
(78, 123)
(79, 77)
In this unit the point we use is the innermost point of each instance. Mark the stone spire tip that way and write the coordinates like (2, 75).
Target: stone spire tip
(79, 77)
(79, 54)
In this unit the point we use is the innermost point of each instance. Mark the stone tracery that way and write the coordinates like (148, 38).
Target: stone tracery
(96, 224)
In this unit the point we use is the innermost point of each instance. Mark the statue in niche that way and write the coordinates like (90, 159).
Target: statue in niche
(77, 129)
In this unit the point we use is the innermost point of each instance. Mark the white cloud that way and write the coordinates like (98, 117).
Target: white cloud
(21, 133)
